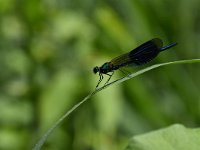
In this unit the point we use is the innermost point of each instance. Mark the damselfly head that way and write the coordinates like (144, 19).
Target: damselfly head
(96, 69)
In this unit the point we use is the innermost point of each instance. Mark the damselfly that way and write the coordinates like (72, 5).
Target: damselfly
(138, 56)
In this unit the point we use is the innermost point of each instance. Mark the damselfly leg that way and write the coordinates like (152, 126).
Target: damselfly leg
(124, 71)
(100, 79)
(110, 75)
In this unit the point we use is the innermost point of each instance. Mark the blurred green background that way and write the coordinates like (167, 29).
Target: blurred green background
(48, 49)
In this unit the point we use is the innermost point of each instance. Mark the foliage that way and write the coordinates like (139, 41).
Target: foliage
(176, 137)
(41, 142)
(48, 49)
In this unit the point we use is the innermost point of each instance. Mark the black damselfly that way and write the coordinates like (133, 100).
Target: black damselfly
(138, 56)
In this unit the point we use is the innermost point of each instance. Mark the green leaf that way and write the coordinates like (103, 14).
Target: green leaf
(175, 137)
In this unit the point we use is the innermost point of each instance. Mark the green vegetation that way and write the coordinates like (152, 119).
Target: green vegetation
(172, 138)
(41, 142)
(49, 48)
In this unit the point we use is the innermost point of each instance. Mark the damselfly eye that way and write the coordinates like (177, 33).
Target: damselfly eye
(96, 69)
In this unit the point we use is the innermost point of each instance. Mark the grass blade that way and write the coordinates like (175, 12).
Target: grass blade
(132, 75)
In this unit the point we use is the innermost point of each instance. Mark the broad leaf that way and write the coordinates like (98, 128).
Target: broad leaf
(175, 137)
